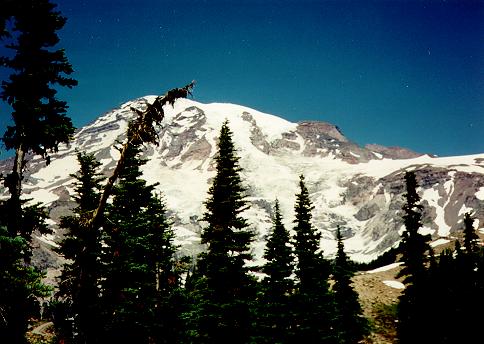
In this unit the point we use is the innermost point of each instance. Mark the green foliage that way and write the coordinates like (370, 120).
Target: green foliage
(454, 289)
(414, 246)
(223, 289)
(387, 257)
(20, 284)
(28, 28)
(18, 281)
(40, 121)
(386, 315)
(33, 219)
(441, 292)
(82, 248)
(275, 319)
(351, 324)
(313, 301)
(140, 279)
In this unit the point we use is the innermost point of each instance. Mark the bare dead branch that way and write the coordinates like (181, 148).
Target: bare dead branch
(140, 130)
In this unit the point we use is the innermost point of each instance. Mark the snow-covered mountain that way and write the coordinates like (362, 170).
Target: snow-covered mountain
(358, 188)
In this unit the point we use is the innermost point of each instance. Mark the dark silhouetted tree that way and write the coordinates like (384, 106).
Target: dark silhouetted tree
(139, 275)
(20, 286)
(39, 123)
(275, 312)
(314, 303)
(352, 326)
(414, 247)
(81, 246)
(456, 278)
(470, 235)
(39, 118)
(223, 289)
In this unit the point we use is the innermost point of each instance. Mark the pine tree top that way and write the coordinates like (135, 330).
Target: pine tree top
(40, 120)
(414, 245)
(307, 238)
(470, 235)
(278, 251)
(227, 234)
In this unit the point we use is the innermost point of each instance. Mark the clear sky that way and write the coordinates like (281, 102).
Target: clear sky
(397, 73)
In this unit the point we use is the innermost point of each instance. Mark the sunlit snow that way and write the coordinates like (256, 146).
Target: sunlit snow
(385, 268)
(184, 182)
(394, 284)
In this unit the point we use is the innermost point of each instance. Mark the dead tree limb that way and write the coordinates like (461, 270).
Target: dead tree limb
(140, 130)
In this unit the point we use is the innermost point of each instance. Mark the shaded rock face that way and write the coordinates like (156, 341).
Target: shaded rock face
(392, 152)
(314, 131)
(357, 188)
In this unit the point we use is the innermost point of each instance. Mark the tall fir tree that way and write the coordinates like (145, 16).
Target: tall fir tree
(29, 28)
(81, 246)
(275, 311)
(352, 325)
(40, 122)
(314, 303)
(139, 275)
(223, 288)
(414, 247)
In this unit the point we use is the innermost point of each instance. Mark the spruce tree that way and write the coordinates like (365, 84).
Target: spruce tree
(39, 118)
(468, 295)
(352, 326)
(314, 303)
(39, 125)
(470, 235)
(275, 310)
(223, 287)
(20, 286)
(414, 247)
(139, 275)
(439, 314)
(455, 278)
(81, 246)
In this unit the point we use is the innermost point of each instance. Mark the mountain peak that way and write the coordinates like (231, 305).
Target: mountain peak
(357, 188)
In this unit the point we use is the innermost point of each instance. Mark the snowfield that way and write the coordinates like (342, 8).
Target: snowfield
(355, 188)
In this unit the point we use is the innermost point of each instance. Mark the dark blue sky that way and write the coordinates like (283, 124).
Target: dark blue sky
(399, 73)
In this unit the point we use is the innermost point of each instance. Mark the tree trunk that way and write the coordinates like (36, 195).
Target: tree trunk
(140, 131)
(13, 182)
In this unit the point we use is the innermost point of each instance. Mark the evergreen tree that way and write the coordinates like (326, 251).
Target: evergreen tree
(414, 247)
(275, 308)
(470, 235)
(455, 278)
(223, 289)
(139, 262)
(18, 281)
(352, 326)
(81, 245)
(439, 314)
(314, 303)
(39, 118)
(467, 294)
(39, 125)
